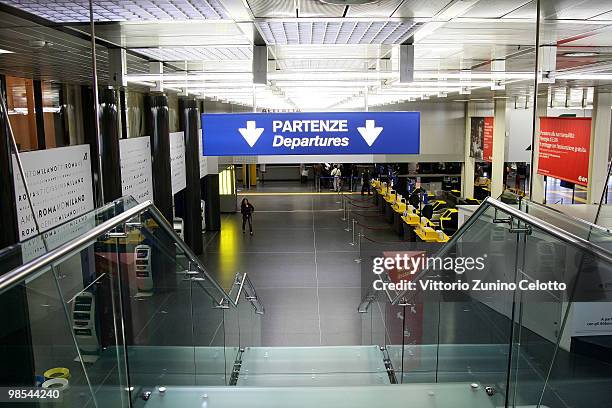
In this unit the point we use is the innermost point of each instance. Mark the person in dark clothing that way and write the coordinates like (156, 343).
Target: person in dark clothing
(365, 182)
(247, 210)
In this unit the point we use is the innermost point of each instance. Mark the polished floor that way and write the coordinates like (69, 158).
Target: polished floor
(300, 261)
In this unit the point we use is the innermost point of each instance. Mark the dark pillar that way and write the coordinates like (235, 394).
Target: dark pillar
(109, 132)
(188, 123)
(38, 111)
(90, 138)
(16, 351)
(157, 126)
(124, 134)
(210, 189)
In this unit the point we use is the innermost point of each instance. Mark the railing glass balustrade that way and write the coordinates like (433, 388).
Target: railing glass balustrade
(115, 305)
(515, 343)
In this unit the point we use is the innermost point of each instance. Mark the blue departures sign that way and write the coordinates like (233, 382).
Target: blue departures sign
(245, 134)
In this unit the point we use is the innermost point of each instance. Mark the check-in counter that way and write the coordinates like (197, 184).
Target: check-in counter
(410, 219)
(390, 199)
(398, 210)
(426, 233)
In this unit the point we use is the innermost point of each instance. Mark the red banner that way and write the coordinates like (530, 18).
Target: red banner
(487, 140)
(481, 138)
(564, 149)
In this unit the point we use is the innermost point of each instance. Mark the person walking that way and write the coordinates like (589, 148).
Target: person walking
(365, 182)
(336, 174)
(247, 210)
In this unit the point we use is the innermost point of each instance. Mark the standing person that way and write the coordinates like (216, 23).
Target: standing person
(336, 174)
(304, 174)
(247, 210)
(365, 182)
(354, 177)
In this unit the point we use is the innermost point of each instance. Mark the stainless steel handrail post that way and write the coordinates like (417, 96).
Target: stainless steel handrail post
(359, 258)
(348, 221)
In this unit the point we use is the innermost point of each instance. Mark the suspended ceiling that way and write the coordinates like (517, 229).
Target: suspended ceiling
(320, 55)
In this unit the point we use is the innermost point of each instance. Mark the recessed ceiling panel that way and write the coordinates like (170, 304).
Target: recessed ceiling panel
(333, 32)
(68, 11)
(574, 9)
(421, 8)
(380, 8)
(197, 53)
(494, 8)
(167, 34)
(272, 8)
(316, 8)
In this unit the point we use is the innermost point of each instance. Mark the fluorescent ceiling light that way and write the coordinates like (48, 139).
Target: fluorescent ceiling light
(581, 54)
(5, 51)
(594, 76)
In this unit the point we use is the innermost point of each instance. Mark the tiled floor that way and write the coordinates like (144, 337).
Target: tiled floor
(300, 262)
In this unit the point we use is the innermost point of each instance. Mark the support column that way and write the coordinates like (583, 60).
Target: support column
(38, 113)
(109, 133)
(600, 146)
(188, 123)
(211, 196)
(157, 126)
(468, 165)
(499, 147)
(536, 181)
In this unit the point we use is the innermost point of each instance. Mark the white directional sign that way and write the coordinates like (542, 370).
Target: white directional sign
(251, 133)
(370, 132)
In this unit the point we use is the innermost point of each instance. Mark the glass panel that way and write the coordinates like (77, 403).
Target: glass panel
(214, 360)
(577, 366)
(39, 245)
(174, 317)
(73, 332)
(90, 288)
(158, 308)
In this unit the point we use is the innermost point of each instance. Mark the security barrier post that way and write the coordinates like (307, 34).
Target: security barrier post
(359, 235)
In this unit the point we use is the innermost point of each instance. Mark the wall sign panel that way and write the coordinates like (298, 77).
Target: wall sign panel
(564, 149)
(136, 171)
(177, 161)
(481, 138)
(60, 187)
(312, 133)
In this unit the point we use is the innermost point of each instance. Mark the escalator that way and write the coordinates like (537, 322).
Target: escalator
(121, 313)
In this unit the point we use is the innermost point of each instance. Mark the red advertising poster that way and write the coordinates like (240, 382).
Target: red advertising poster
(481, 133)
(564, 149)
(487, 139)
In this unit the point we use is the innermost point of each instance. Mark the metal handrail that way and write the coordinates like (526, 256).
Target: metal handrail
(581, 243)
(22, 272)
(66, 250)
(571, 217)
(252, 297)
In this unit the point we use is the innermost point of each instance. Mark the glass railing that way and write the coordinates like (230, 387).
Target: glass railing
(121, 308)
(519, 343)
